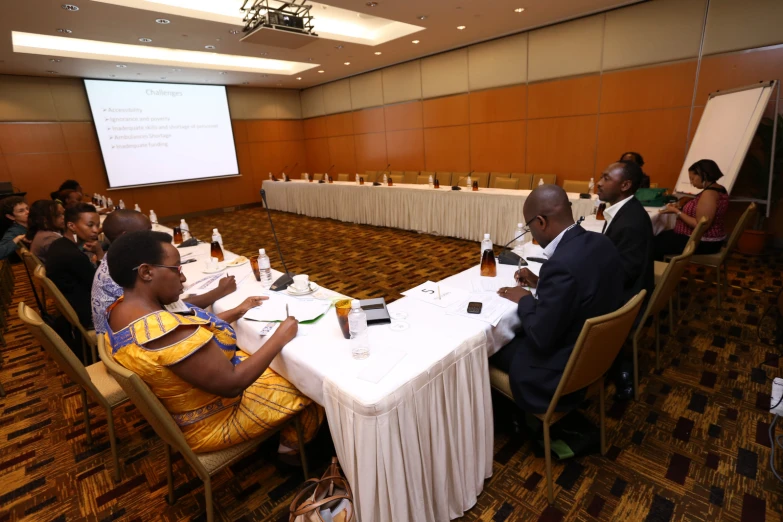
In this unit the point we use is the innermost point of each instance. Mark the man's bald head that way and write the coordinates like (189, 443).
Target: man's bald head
(548, 212)
(123, 221)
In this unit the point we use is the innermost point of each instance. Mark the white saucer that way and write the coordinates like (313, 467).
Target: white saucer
(312, 288)
(229, 265)
(219, 269)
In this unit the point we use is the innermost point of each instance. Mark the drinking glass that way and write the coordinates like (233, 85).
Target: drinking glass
(343, 308)
(254, 266)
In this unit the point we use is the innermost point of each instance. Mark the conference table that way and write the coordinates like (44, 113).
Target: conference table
(463, 214)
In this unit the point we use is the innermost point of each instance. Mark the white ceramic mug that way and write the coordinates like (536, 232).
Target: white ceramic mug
(213, 263)
(301, 282)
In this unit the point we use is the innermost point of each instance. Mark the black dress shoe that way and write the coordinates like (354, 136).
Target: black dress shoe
(624, 385)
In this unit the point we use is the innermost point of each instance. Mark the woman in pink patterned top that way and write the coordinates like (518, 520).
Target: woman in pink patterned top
(712, 203)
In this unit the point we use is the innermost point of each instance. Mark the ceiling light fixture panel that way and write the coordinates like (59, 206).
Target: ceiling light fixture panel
(64, 31)
(519, 9)
(162, 21)
(145, 40)
(70, 7)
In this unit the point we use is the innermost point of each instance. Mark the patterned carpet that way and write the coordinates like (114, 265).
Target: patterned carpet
(695, 447)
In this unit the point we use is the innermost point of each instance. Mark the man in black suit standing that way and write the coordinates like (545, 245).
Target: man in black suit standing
(578, 281)
(629, 227)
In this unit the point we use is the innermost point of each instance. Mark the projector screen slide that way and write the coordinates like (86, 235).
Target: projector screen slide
(162, 133)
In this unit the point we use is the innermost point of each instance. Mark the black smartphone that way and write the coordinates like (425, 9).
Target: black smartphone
(474, 307)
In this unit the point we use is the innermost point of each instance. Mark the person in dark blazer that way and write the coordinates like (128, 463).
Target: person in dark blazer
(629, 227)
(578, 281)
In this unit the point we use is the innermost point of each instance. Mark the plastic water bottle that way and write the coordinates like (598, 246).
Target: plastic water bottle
(357, 325)
(264, 267)
(153, 217)
(216, 237)
(357, 178)
(110, 203)
(306, 176)
(270, 176)
(431, 181)
(137, 208)
(486, 244)
(519, 234)
(470, 181)
(385, 179)
(540, 181)
(183, 226)
(488, 267)
(591, 186)
(122, 205)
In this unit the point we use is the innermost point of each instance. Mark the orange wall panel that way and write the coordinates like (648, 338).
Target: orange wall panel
(240, 130)
(369, 120)
(4, 174)
(238, 191)
(370, 151)
(339, 124)
(659, 135)
(89, 170)
(25, 138)
(451, 110)
(697, 113)
(737, 70)
(498, 146)
(315, 128)
(342, 155)
(263, 130)
(403, 116)
(405, 149)
(293, 157)
(570, 97)
(562, 146)
(658, 87)
(508, 103)
(198, 195)
(80, 136)
(447, 149)
(165, 200)
(291, 130)
(39, 174)
(317, 152)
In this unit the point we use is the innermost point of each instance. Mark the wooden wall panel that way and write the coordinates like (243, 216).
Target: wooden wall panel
(649, 88)
(89, 170)
(339, 124)
(442, 112)
(315, 128)
(498, 147)
(562, 146)
(39, 174)
(342, 155)
(291, 130)
(506, 104)
(263, 130)
(199, 195)
(26, 138)
(370, 151)
(405, 149)
(4, 174)
(80, 136)
(570, 97)
(239, 127)
(238, 191)
(737, 70)
(447, 149)
(659, 135)
(697, 113)
(165, 200)
(369, 120)
(403, 116)
(317, 151)
(293, 157)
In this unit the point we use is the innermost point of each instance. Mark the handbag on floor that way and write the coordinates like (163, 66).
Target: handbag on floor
(328, 499)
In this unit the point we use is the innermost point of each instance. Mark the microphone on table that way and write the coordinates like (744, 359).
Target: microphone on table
(507, 257)
(282, 173)
(288, 178)
(287, 278)
(457, 183)
(327, 176)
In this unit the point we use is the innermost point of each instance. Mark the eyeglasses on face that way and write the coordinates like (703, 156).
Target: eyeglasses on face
(178, 268)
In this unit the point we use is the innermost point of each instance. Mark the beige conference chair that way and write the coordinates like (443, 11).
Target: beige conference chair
(423, 180)
(410, 177)
(507, 183)
(596, 348)
(718, 260)
(663, 292)
(461, 179)
(31, 262)
(444, 178)
(549, 179)
(370, 176)
(92, 380)
(579, 187)
(397, 178)
(525, 180)
(65, 308)
(343, 177)
(204, 464)
(497, 175)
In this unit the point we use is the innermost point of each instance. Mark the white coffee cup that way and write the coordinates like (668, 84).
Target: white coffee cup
(301, 282)
(213, 263)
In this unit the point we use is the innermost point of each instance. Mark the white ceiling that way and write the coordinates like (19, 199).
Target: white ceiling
(106, 22)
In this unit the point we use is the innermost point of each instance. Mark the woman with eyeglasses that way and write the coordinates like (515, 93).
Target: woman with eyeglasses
(218, 395)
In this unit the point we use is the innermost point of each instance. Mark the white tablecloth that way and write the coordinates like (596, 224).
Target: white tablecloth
(463, 214)
(660, 221)
(416, 445)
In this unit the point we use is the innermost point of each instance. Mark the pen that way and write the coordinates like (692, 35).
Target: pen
(438, 292)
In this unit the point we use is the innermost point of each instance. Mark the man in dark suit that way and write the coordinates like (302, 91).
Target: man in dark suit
(578, 281)
(629, 227)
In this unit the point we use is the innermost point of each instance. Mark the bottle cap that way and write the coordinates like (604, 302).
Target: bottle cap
(486, 236)
(261, 252)
(520, 225)
(356, 305)
(182, 220)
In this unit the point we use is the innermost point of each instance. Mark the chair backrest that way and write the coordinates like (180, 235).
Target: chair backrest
(32, 262)
(579, 187)
(60, 302)
(742, 224)
(461, 179)
(444, 178)
(701, 227)
(422, 179)
(507, 183)
(58, 350)
(318, 176)
(668, 282)
(397, 173)
(597, 347)
(369, 176)
(549, 179)
(397, 178)
(496, 175)
(150, 407)
(343, 177)
(410, 177)
(525, 180)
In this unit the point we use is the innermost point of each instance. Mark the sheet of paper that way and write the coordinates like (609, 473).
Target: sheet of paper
(275, 309)
(492, 310)
(380, 363)
(437, 294)
(491, 284)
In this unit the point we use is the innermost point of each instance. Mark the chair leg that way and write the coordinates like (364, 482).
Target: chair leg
(169, 475)
(208, 496)
(602, 415)
(550, 490)
(84, 348)
(671, 316)
(717, 278)
(113, 442)
(87, 430)
(300, 437)
(657, 326)
(636, 364)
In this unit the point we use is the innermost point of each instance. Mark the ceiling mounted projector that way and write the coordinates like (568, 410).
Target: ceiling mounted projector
(288, 24)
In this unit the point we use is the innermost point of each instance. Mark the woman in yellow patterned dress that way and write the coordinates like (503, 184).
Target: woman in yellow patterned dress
(218, 395)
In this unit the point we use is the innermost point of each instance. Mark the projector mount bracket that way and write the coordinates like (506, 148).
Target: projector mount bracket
(287, 16)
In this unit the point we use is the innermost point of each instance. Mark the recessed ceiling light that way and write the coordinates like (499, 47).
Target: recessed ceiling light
(422, 17)
(55, 60)
(371, 4)
(460, 27)
(162, 21)
(338, 47)
(121, 66)
(519, 9)
(347, 63)
(264, 54)
(378, 53)
(321, 72)
(234, 31)
(66, 31)
(70, 7)
(145, 40)
(222, 72)
(210, 47)
(176, 70)
(298, 77)
(52, 72)
(415, 41)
